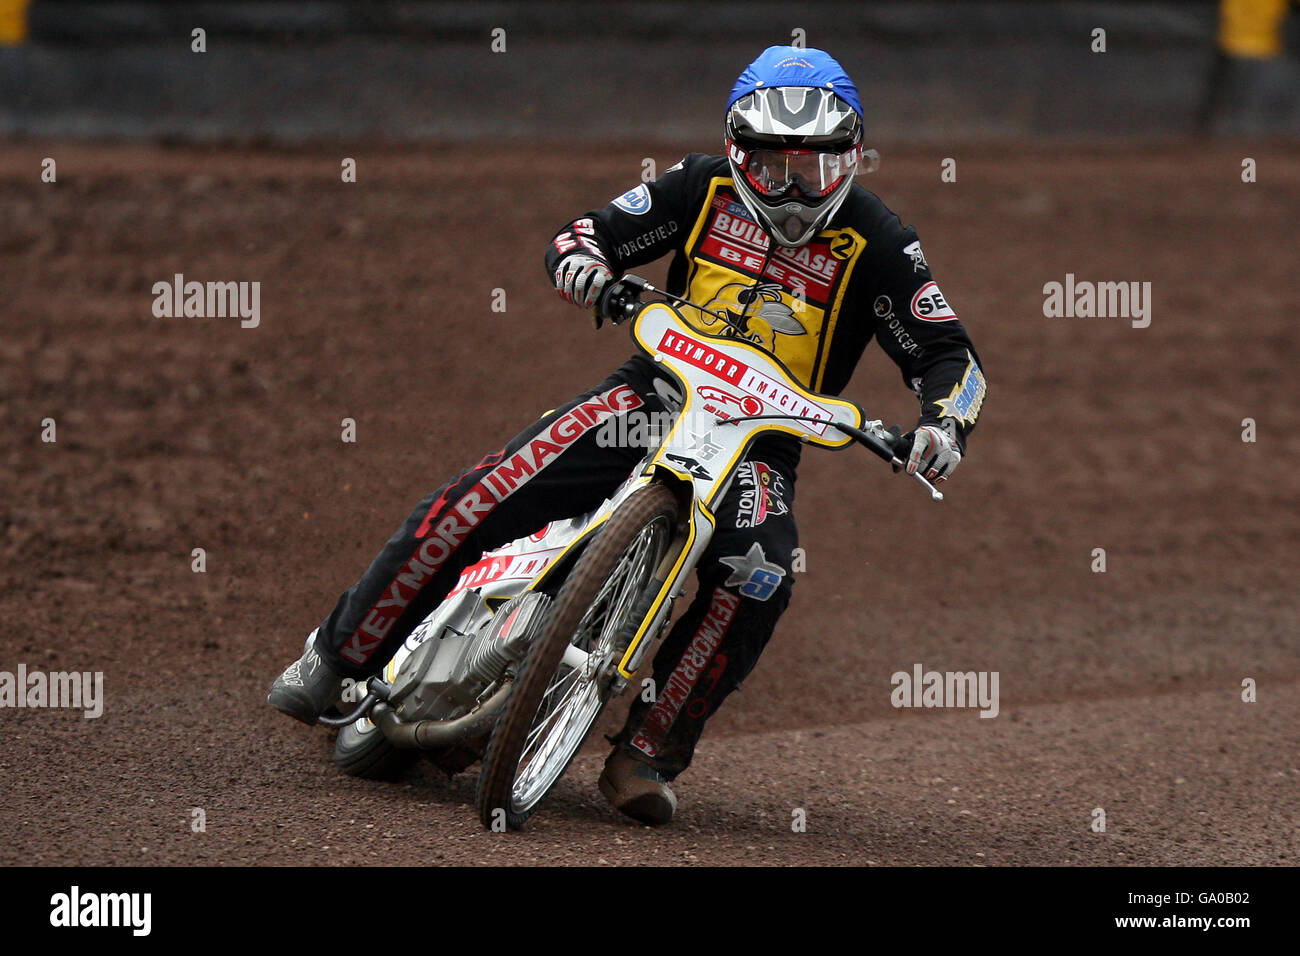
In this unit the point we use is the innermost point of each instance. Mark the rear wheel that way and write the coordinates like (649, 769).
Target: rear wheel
(362, 750)
(565, 679)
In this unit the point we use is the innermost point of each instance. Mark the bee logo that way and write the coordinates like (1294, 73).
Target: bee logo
(756, 310)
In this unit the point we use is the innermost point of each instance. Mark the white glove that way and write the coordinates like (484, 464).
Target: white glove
(580, 278)
(934, 454)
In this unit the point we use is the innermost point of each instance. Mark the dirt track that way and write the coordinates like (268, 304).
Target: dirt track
(1118, 690)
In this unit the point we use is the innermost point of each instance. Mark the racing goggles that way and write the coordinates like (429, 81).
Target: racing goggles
(771, 172)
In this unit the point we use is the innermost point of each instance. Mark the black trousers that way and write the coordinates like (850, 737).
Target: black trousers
(559, 468)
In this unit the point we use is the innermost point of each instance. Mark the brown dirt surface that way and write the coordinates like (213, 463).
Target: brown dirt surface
(1119, 690)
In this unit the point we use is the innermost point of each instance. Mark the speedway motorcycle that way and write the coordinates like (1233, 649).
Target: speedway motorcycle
(515, 666)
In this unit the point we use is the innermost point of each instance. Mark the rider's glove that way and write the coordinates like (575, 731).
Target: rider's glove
(935, 454)
(580, 278)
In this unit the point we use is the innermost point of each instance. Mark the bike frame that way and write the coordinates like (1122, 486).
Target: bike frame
(702, 364)
(697, 459)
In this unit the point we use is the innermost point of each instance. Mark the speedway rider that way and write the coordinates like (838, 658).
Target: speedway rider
(807, 263)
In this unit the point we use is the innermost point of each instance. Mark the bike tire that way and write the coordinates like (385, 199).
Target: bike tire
(370, 755)
(597, 565)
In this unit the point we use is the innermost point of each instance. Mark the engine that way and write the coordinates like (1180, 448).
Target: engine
(447, 674)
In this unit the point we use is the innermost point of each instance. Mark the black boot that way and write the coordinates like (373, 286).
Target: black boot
(307, 688)
(637, 789)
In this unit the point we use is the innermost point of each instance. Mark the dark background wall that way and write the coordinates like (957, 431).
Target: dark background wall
(291, 71)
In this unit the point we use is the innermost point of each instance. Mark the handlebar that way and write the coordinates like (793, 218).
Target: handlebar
(888, 445)
(620, 301)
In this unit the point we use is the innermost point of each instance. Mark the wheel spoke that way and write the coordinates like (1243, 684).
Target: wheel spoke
(555, 710)
(573, 699)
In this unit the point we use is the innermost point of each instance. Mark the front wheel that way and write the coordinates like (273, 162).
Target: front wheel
(560, 692)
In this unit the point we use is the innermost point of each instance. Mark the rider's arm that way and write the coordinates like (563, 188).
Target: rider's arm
(641, 225)
(919, 329)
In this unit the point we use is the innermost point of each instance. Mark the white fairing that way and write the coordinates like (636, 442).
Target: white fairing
(725, 379)
(502, 573)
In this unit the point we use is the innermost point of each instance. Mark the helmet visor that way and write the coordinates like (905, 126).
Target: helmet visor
(771, 172)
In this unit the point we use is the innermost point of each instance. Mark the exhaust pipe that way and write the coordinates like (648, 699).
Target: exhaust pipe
(435, 734)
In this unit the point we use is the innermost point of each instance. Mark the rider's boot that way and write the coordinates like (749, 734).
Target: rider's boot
(637, 789)
(307, 688)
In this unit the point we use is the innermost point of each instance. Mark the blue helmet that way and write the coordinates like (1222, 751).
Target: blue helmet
(793, 131)
(792, 66)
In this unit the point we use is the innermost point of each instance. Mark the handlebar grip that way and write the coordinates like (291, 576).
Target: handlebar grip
(887, 447)
(900, 444)
(618, 301)
(867, 440)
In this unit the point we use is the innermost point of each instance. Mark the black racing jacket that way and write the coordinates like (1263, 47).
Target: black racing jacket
(816, 307)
